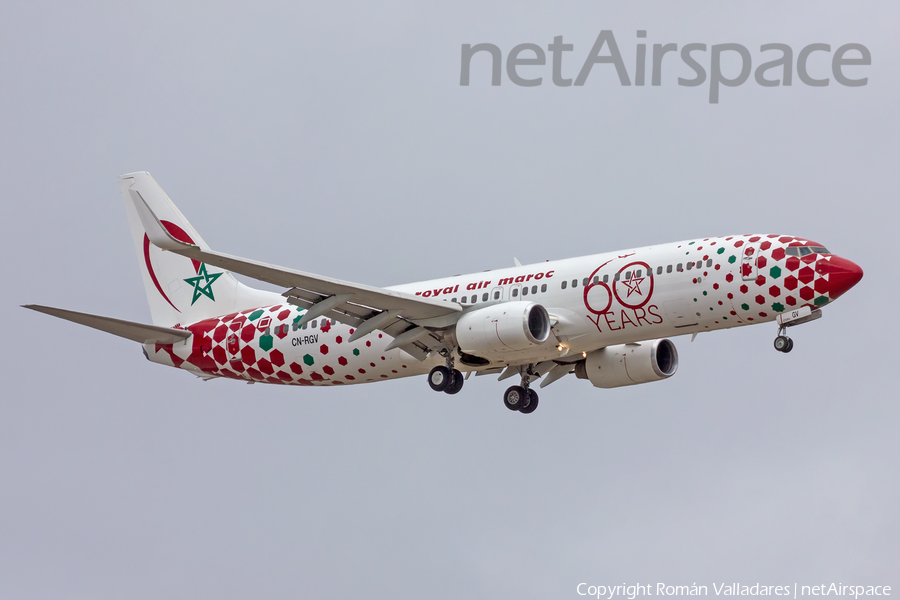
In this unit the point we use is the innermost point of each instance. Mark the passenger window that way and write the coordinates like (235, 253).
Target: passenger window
(596, 279)
(515, 292)
(314, 324)
(659, 270)
(305, 325)
(616, 277)
(453, 300)
(679, 268)
(690, 266)
(497, 295)
(606, 278)
(709, 263)
(534, 289)
(585, 282)
(668, 269)
(699, 264)
(474, 298)
(563, 284)
(574, 283)
(544, 287)
(484, 297)
(524, 291)
(638, 273)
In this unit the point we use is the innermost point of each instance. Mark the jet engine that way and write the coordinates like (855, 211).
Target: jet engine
(497, 330)
(629, 364)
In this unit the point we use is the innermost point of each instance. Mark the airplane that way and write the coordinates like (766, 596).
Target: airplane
(605, 318)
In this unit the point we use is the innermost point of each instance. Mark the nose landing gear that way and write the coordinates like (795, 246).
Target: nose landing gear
(783, 343)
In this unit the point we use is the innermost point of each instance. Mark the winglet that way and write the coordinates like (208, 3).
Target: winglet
(516, 260)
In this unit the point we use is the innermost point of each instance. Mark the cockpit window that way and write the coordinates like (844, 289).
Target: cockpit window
(806, 250)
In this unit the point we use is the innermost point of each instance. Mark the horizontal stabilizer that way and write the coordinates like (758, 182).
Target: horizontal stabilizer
(136, 332)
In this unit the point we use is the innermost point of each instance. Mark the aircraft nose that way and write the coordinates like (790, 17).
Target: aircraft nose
(843, 274)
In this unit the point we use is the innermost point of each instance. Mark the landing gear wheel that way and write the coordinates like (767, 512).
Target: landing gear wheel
(514, 397)
(532, 403)
(783, 343)
(456, 382)
(439, 378)
(790, 346)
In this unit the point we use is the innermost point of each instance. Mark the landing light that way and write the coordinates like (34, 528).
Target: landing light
(584, 355)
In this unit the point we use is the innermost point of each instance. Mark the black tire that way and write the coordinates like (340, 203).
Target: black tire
(456, 382)
(439, 378)
(532, 403)
(526, 402)
(789, 347)
(782, 342)
(514, 397)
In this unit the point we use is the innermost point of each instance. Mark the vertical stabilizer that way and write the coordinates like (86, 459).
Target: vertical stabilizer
(180, 290)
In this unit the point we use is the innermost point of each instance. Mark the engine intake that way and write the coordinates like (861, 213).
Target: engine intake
(629, 364)
(498, 329)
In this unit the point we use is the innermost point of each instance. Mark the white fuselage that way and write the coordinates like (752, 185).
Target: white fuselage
(594, 302)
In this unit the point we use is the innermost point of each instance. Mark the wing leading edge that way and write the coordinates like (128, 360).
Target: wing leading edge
(366, 307)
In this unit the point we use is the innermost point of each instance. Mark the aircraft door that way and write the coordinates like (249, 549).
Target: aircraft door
(749, 270)
(515, 292)
(497, 293)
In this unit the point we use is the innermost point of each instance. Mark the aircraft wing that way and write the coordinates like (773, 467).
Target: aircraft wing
(364, 306)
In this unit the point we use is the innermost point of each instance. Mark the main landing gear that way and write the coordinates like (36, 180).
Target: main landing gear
(446, 379)
(521, 397)
(783, 343)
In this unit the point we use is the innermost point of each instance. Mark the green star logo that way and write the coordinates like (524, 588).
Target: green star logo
(203, 284)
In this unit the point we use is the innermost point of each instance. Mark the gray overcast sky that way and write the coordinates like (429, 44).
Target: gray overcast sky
(335, 138)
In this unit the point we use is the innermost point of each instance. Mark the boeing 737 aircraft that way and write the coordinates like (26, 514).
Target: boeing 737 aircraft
(604, 317)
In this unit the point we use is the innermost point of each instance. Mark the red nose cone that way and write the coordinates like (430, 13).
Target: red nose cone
(842, 275)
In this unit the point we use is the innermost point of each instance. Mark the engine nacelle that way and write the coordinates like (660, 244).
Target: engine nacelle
(499, 329)
(629, 364)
